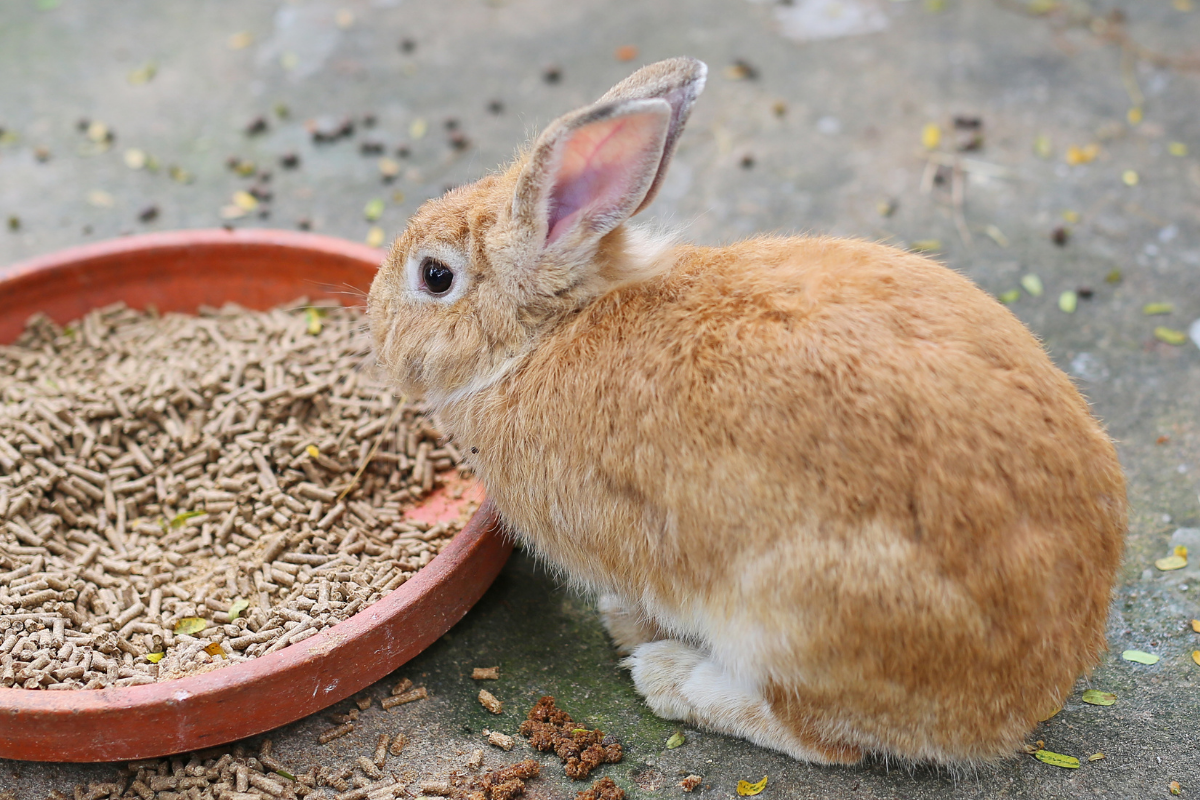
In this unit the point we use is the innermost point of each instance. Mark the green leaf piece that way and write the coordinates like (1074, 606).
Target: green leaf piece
(179, 519)
(1096, 697)
(1057, 759)
(1154, 309)
(373, 210)
(1032, 284)
(1010, 297)
(1139, 657)
(1068, 301)
(1170, 335)
(239, 605)
(190, 625)
(677, 740)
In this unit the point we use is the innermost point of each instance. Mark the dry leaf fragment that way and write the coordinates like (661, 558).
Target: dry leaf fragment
(389, 168)
(1130, 177)
(677, 740)
(1140, 657)
(1082, 155)
(135, 158)
(996, 235)
(1177, 149)
(418, 128)
(1057, 759)
(373, 210)
(1096, 757)
(747, 789)
(626, 53)
(190, 625)
(154, 658)
(1068, 301)
(312, 319)
(1009, 297)
(1096, 697)
(240, 40)
(375, 236)
(1196, 625)
(1175, 788)
(1196, 657)
(244, 200)
(313, 452)
(931, 136)
(1154, 309)
(1170, 335)
(100, 198)
(215, 649)
(1177, 560)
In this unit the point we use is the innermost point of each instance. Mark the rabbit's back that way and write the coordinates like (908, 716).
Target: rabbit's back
(843, 466)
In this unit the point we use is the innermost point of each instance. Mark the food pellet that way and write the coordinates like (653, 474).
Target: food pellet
(440, 788)
(486, 673)
(190, 492)
(501, 740)
(381, 750)
(690, 783)
(335, 733)
(419, 693)
(489, 701)
(398, 743)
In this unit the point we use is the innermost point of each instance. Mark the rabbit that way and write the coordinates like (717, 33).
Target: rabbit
(833, 498)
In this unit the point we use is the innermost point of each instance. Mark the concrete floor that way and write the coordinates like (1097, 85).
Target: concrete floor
(817, 135)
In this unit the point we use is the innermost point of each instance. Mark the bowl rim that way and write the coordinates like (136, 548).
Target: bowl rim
(40, 725)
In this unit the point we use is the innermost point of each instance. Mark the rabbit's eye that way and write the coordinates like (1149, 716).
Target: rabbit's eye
(436, 276)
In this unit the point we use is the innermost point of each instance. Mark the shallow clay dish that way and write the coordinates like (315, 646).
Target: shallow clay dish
(258, 269)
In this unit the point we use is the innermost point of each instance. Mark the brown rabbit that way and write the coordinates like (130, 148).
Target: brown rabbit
(835, 499)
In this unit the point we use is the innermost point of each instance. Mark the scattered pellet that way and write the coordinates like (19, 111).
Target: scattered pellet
(403, 686)
(440, 788)
(490, 702)
(419, 693)
(690, 783)
(363, 703)
(398, 743)
(335, 733)
(501, 740)
(368, 768)
(475, 761)
(486, 673)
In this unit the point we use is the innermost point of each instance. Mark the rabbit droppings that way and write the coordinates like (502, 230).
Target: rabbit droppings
(834, 498)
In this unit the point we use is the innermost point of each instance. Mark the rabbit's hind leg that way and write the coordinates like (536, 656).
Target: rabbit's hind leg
(627, 625)
(681, 682)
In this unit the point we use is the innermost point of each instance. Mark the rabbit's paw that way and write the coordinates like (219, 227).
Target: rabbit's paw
(661, 670)
(626, 625)
(681, 682)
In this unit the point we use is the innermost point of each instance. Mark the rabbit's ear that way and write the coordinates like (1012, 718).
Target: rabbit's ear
(678, 81)
(590, 171)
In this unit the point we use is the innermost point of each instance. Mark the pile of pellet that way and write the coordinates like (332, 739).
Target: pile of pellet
(548, 727)
(178, 493)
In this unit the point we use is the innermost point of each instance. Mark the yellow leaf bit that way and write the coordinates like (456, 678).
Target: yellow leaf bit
(1139, 657)
(677, 740)
(1032, 284)
(1154, 309)
(1196, 657)
(190, 625)
(1057, 759)
(1096, 757)
(1096, 697)
(214, 649)
(313, 451)
(1175, 788)
(1170, 335)
(154, 658)
(1196, 625)
(312, 319)
(747, 789)
(931, 137)
(1068, 301)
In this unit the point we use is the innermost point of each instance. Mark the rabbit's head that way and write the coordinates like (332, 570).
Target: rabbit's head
(481, 272)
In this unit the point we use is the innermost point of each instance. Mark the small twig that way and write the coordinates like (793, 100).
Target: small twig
(374, 448)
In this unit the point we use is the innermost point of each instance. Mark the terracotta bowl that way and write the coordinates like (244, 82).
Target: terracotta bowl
(178, 272)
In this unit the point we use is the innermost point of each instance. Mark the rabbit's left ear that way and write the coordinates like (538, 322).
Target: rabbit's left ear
(592, 169)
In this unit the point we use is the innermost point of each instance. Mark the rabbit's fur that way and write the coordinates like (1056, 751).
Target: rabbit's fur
(835, 499)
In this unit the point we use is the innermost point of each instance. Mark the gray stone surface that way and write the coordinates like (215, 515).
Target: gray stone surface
(828, 130)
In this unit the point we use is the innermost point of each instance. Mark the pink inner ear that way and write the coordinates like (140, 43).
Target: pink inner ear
(604, 171)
